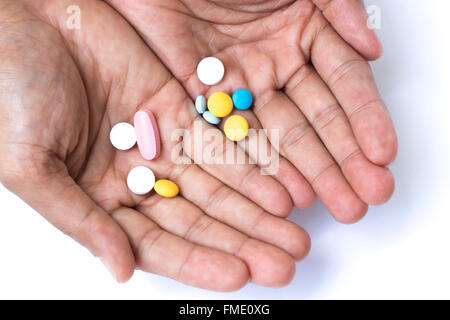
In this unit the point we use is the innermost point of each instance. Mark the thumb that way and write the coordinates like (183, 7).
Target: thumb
(48, 188)
(349, 19)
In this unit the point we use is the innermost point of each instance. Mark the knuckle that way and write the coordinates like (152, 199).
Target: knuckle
(326, 116)
(322, 172)
(295, 135)
(217, 197)
(148, 241)
(343, 69)
(201, 224)
(369, 105)
(299, 78)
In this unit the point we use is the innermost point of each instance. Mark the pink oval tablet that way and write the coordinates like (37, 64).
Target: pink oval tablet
(147, 134)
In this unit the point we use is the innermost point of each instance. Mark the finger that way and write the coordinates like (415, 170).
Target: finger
(349, 18)
(158, 251)
(350, 79)
(300, 144)
(267, 265)
(220, 157)
(261, 151)
(259, 148)
(373, 184)
(221, 203)
(49, 189)
(231, 208)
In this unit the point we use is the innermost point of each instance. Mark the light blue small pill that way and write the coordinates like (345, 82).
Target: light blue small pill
(210, 118)
(242, 99)
(200, 104)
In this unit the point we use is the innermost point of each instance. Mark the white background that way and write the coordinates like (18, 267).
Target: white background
(400, 250)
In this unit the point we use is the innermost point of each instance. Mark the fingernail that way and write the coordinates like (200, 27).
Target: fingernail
(110, 269)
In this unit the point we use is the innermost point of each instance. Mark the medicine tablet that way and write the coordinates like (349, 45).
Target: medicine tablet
(242, 99)
(236, 128)
(220, 104)
(210, 71)
(123, 136)
(210, 118)
(200, 104)
(166, 188)
(141, 180)
(147, 134)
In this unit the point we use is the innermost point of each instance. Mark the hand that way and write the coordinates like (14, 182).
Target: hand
(307, 81)
(61, 92)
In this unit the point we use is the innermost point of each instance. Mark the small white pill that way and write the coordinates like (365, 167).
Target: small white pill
(200, 104)
(141, 180)
(210, 118)
(210, 71)
(123, 136)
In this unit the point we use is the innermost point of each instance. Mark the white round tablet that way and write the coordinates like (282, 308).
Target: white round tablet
(141, 180)
(210, 71)
(123, 136)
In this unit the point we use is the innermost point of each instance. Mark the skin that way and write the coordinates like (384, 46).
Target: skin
(307, 81)
(61, 92)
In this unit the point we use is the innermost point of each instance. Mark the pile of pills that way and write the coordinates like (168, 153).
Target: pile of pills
(141, 180)
(219, 105)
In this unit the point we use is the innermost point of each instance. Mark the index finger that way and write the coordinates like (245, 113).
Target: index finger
(350, 79)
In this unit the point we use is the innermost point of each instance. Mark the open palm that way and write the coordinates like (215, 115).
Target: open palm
(307, 82)
(62, 91)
